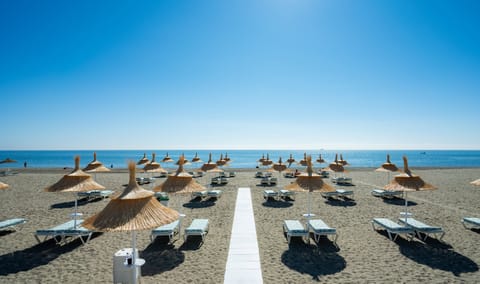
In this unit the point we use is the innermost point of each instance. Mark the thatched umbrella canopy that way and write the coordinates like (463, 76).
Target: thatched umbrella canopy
(167, 159)
(76, 181)
(95, 166)
(262, 159)
(320, 160)
(153, 166)
(180, 182)
(408, 182)
(279, 167)
(342, 161)
(221, 162)
(476, 182)
(267, 161)
(227, 158)
(209, 166)
(143, 160)
(336, 166)
(3, 185)
(133, 210)
(196, 159)
(309, 181)
(303, 162)
(185, 161)
(290, 160)
(387, 166)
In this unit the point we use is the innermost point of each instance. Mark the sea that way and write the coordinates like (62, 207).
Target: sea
(242, 158)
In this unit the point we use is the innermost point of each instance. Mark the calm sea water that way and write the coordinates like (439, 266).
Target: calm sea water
(244, 158)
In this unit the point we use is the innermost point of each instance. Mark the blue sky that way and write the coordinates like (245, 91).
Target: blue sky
(264, 74)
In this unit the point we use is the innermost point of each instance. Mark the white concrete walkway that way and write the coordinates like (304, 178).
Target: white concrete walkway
(243, 263)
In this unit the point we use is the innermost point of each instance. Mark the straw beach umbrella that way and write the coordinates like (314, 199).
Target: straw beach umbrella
(408, 182)
(196, 159)
(133, 210)
(143, 160)
(476, 182)
(180, 182)
(3, 185)
(210, 167)
(153, 166)
(167, 159)
(95, 166)
(290, 160)
(76, 181)
(221, 162)
(336, 166)
(387, 167)
(309, 181)
(267, 162)
(320, 160)
(303, 162)
(342, 161)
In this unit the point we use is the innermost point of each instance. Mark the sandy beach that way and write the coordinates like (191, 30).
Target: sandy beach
(363, 255)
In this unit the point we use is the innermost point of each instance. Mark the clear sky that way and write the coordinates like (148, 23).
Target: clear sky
(250, 74)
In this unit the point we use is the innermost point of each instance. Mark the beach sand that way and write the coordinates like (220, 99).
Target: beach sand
(363, 255)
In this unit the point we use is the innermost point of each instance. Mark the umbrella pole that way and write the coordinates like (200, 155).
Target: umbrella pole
(134, 258)
(75, 213)
(406, 207)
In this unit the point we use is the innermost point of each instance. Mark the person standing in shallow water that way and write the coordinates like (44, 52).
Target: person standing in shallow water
(25, 164)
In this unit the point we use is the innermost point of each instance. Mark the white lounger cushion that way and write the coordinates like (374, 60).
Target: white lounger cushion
(319, 228)
(293, 228)
(169, 230)
(422, 227)
(198, 227)
(392, 227)
(11, 222)
(471, 222)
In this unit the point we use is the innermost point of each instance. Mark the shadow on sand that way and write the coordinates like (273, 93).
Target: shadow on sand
(276, 203)
(312, 260)
(198, 203)
(437, 257)
(399, 201)
(160, 256)
(37, 255)
(341, 202)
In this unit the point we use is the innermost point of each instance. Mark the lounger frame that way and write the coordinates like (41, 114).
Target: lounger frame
(171, 230)
(420, 227)
(293, 228)
(61, 232)
(392, 228)
(12, 223)
(471, 223)
(319, 228)
(198, 227)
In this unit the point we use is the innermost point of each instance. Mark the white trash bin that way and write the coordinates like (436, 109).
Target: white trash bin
(122, 271)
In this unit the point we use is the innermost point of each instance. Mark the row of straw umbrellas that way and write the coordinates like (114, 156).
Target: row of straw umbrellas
(134, 208)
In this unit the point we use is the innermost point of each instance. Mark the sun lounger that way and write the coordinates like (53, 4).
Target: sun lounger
(338, 193)
(94, 194)
(273, 181)
(60, 232)
(386, 193)
(11, 223)
(293, 228)
(268, 193)
(392, 228)
(223, 180)
(284, 193)
(319, 228)
(231, 174)
(170, 230)
(342, 180)
(200, 194)
(421, 227)
(258, 174)
(265, 181)
(198, 227)
(471, 222)
(214, 193)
